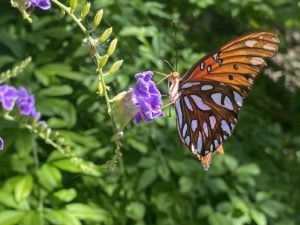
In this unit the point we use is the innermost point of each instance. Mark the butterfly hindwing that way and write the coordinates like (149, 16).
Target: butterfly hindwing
(206, 116)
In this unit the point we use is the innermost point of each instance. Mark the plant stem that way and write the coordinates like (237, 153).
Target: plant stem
(96, 55)
(71, 14)
(40, 208)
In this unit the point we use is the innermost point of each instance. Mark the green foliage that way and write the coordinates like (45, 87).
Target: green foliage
(156, 181)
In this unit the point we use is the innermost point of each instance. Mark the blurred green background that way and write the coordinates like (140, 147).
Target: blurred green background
(157, 181)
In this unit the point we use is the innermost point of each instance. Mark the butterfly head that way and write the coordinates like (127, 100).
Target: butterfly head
(174, 75)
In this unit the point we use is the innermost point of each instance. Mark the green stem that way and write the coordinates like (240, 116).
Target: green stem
(40, 208)
(71, 14)
(101, 79)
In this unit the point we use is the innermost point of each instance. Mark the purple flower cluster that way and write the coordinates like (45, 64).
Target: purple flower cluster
(147, 98)
(43, 4)
(25, 102)
(10, 96)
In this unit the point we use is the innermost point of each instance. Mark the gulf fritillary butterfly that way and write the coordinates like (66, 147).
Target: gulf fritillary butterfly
(209, 96)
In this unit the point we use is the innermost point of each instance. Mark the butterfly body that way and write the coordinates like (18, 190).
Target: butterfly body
(208, 98)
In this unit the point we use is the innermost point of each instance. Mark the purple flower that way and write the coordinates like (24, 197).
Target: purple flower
(26, 103)
(147, 98)
(8, 96)
(43, 4)
(1, 143)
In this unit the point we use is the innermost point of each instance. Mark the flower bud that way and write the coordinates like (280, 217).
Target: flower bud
(106, 34)
(102, 61)
(73, 4)
(85, 10)
(97, 18)
(116, 66)
(112, 47)
(100, 88)
(123, 107)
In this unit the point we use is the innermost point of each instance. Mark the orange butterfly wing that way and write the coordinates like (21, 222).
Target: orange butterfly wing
(212, 91)
(238, 62)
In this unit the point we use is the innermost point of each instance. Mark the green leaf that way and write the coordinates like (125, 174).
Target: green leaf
(15, 46)
(9, 200)
(230, 162)
(66, 165)
(87, 212)
(163, 171)
(59, 69)
(32, 218)
(147, 178)
(62, 217)
(135, 211)
(250, 169)
(50, 177)
(57, 90)
(217, 185)
(23, 143)
(185, 184)
(162, 201)
(238, 203)
(138, 145)
(224, 207)
(11, 217)
(217, 219)
(258, 217)
(66, 195)
(147, 162)
(23, 188)
(204, 211)
(53, 107)
(4, 59)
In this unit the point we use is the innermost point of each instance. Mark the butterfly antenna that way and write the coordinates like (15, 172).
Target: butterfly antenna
(176, 47)
(167, 62)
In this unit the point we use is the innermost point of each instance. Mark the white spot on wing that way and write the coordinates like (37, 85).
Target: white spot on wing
(202, 65)
(238, 99)
(199, 103)
(213, 121)
(215, 56)
(228, 103)
(205, 128)
(250, 43)
(199, 142)
(194, 150)
(179, 112)
(225, 127)
(190, 84)
(206, 87)
(217, 99)
(187, 140)
(269, 47)
(211, 148)
(184, 130)
(194, 125)
(188, 104)
(216, 143)
(256, 61)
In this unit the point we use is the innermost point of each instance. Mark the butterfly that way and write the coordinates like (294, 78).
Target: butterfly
(208, 98)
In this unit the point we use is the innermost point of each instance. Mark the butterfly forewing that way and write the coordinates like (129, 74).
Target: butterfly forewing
(212, 91)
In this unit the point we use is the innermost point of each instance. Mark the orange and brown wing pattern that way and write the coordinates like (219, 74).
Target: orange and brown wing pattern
(238, 62)
(212, 92)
